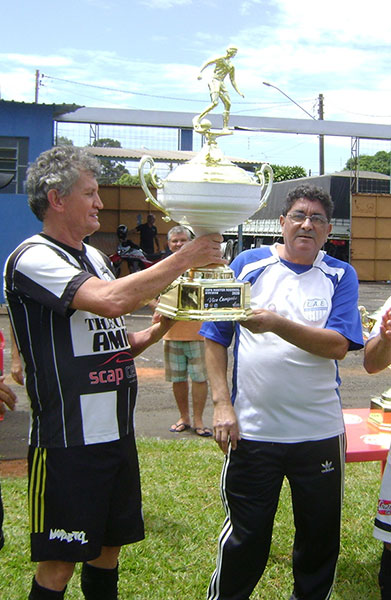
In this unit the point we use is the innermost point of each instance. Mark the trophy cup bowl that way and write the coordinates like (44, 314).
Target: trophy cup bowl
(208, 194)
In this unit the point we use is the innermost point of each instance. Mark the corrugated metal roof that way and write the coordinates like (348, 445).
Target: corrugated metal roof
(177, 156)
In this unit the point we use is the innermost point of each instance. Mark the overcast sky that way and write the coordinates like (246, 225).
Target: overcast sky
(147, 54)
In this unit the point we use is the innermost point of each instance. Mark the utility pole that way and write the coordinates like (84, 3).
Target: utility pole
(320, 117)
(321, 137)
(36, 85)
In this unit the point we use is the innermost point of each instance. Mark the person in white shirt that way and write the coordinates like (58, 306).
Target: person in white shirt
(284, 415)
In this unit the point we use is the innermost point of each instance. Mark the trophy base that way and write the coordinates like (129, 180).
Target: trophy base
(206, 294)
(380, 412)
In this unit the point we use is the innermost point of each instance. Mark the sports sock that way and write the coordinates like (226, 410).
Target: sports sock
(385, 575)
(99, 584)
(40, 593)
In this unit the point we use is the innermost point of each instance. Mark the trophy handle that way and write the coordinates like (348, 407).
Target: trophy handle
(156, 180)
(266, 168)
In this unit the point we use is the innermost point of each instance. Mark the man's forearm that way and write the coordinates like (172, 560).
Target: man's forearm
(326, 343)
(126, 294)
(377, 354)
(141, 340)
(216, 358)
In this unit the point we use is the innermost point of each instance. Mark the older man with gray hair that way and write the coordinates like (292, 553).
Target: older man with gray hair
(66, 310)
(184, 357)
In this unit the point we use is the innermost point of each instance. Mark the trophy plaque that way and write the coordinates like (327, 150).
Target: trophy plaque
(209, 194)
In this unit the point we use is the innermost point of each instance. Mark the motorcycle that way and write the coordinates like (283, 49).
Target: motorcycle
(136, 259)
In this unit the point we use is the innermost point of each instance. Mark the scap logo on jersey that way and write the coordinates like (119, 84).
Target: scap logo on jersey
(114, 370)
(315, 309)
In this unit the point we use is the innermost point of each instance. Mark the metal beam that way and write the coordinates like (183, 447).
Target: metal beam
(153, 118)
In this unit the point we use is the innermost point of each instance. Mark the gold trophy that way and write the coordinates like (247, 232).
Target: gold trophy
(209, 194)
(380, 406)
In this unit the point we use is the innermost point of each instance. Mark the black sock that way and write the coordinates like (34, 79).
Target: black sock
(40, 593)
(99, 584)
(385, 575)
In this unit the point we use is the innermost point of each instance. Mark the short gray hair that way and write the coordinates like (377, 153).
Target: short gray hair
(178, 229)
(58, 168)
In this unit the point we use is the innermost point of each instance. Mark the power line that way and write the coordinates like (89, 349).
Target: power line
(108, 89)
(133, 93)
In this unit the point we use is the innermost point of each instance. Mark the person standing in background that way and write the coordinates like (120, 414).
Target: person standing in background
(377, 356)
(184, 357)
(148, 236)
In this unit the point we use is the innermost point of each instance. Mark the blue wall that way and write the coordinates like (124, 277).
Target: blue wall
(35, 122)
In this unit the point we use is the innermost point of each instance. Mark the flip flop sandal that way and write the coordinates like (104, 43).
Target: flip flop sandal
(179, 427)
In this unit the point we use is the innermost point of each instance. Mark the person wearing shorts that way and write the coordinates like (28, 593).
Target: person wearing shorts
(67, 314)
(377, 356)
(184, 358)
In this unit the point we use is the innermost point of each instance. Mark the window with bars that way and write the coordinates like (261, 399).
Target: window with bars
(13, 161)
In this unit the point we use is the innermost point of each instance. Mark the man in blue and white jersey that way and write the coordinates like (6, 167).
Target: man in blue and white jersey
(283, 417)
(377, 356)
(66, 310)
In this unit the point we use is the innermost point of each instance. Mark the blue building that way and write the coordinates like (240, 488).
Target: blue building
(26, 130)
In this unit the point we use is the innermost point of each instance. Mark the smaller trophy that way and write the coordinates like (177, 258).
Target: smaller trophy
(380, 406)
(209, 194)
(380, 411)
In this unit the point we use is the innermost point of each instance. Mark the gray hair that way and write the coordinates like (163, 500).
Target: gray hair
(58, 168)
(178, 229)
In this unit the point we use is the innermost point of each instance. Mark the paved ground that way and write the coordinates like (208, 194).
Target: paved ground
(156, 409)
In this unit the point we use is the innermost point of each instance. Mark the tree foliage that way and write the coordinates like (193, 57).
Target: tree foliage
(378, 163)
(64, 141)
(112, 168)
(283, 173)
(128, 179)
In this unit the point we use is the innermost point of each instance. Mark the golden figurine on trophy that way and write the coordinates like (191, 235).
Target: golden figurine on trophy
(209, 194)
(217, 89)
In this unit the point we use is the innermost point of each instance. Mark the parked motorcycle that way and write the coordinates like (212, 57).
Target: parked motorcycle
(127, 250)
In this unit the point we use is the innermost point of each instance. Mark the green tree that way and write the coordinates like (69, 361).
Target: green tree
(283, 173)
(64, 141)
(378, 163)
(112, 168)
(128, 179)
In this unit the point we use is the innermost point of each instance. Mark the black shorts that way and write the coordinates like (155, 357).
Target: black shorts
(82, 498)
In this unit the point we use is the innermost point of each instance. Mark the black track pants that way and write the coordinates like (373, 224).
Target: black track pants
(250, 486)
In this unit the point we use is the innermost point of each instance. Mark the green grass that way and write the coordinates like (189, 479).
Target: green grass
(183, 516)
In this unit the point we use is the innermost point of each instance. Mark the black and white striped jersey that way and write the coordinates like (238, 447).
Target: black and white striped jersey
(80, 374)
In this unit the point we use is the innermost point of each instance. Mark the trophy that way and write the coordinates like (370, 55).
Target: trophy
(380, 406)
(209, 194)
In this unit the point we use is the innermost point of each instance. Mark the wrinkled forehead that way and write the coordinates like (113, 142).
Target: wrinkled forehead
(308, 206)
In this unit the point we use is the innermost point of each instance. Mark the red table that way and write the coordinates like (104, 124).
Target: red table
(364, 441)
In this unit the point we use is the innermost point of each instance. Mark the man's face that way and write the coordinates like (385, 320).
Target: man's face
(176, 241)
(82, 205)
(302, 241)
